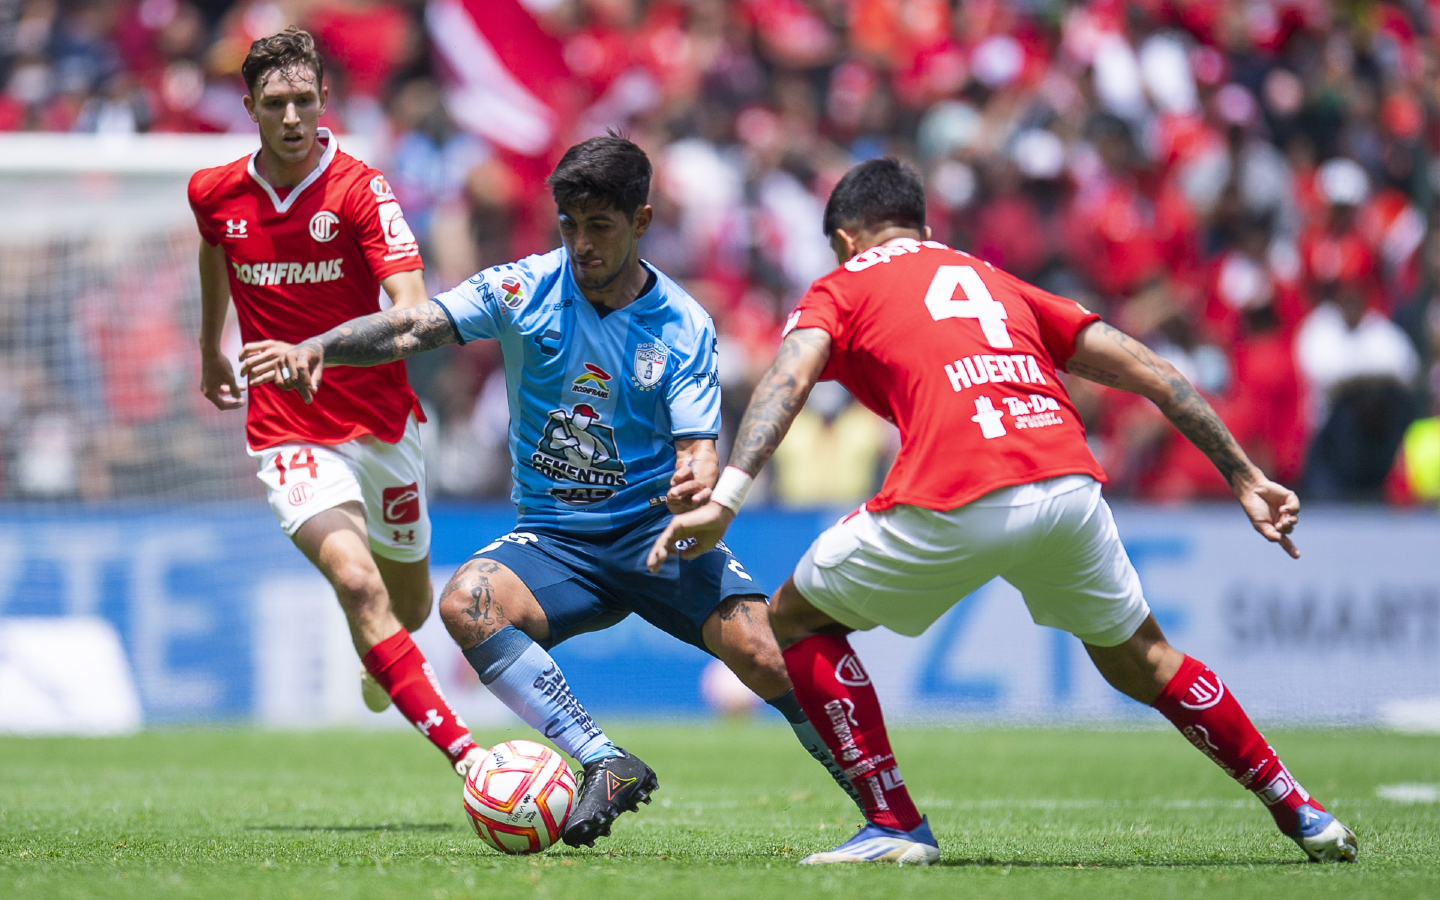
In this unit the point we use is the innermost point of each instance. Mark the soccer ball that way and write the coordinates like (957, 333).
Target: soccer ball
(519, 797)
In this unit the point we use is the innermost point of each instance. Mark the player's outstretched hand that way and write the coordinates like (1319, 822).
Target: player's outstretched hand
(691, 534)
(218, 382)
(1274, 510)
(687, 490)
(298, 368)
(261, 362)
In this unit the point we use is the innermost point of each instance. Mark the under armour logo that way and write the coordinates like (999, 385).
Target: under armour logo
(432, 718)
(235, 228)
(407, 537)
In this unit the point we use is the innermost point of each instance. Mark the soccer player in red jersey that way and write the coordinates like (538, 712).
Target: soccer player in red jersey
(993, 479)
(302, 237)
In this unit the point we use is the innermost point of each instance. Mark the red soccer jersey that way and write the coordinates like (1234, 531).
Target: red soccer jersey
(300, 265)
(962, 358)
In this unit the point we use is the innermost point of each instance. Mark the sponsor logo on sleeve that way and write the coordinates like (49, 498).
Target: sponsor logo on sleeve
(576, 447)
(512, 292)
(650, 359)
(398, 237)
(381, 189)
(791, 322)
(595, 381)
(324, 225)
(401, 505)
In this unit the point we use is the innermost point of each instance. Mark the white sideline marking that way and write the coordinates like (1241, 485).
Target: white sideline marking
(1409, 793)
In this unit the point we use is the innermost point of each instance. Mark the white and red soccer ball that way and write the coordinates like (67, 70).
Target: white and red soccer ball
(519, 796)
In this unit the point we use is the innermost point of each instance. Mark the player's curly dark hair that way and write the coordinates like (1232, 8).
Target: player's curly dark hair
(289, 50)
(876, 192)
(609, 170)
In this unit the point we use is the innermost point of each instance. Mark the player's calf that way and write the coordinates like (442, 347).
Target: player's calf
(738, 633)
(1205, 711)
(408, 585)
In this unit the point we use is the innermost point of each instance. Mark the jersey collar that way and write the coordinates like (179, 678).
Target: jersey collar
(641, 302)
(283, 206)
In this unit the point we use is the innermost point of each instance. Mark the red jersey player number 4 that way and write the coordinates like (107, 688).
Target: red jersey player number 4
(300, 264)
(919, 361)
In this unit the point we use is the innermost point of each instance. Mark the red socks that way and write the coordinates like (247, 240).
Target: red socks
(1205, 711)
(400, 668)
(836, 694)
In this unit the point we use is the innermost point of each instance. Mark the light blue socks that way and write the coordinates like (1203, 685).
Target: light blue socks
(526, 679)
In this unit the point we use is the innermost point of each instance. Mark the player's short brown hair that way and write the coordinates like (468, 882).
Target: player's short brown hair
(289, 50)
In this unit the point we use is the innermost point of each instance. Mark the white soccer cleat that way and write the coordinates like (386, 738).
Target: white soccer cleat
(878, 844)
(376, 698)
(470, 760)
(1323, 837)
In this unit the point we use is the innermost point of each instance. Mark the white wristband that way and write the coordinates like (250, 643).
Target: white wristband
(731, 489)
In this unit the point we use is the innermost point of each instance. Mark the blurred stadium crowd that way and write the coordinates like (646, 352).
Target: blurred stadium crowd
(1244, 184)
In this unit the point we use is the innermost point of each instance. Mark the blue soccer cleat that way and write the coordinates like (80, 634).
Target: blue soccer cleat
(1323, 837)
(878, 844)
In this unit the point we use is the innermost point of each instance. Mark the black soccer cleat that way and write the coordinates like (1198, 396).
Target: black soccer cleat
(611, 786)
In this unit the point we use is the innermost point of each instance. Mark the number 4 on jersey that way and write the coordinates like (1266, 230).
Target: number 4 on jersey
(306, 462)
(979, 304)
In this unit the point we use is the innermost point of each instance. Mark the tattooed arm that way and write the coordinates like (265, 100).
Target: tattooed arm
(371, 340)
(779, 397)
(1110, 357)
(774, 405)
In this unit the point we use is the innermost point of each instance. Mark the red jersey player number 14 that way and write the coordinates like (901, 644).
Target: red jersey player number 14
(300, 264)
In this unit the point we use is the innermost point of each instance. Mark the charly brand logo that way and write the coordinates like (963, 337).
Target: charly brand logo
(324, 225)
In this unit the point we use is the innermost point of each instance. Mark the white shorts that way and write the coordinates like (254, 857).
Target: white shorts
(1054, 540)
(387, 479)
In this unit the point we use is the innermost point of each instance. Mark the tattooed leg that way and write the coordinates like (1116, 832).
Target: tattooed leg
(738, 632)
(496, 620)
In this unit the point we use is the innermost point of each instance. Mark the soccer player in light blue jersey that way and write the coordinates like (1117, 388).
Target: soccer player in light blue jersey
(614, 411)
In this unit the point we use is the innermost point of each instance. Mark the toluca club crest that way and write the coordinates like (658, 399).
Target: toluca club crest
(649, 365)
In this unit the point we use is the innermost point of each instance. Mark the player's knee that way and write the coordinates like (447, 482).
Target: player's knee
(359, 588)
(469, 615)
(787, 621)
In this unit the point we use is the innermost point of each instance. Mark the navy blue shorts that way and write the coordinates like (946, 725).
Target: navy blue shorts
(589, 581)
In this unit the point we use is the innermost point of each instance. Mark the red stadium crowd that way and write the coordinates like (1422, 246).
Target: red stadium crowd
(1246, 185)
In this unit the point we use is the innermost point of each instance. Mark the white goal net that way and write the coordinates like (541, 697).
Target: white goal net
(99, 317)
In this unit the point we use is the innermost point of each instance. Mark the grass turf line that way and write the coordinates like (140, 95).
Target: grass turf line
(1019, 813)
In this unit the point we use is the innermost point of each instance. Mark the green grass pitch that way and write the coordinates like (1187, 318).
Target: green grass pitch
(1019, 813)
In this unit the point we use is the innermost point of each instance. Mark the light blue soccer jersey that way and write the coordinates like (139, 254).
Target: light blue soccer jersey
(595, 403)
